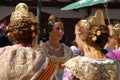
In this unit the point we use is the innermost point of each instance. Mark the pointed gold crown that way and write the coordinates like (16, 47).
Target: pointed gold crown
(22, 12)
(98, 19)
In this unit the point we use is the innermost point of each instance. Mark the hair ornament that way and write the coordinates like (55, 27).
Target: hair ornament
(50, 22)
(99, 17)
(92, 21)
(95, 22)
(98, 33)
(94, 38)
(22, 12)
(51, 17)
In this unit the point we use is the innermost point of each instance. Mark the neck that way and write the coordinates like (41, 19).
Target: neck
(54, 43)
(110, 46)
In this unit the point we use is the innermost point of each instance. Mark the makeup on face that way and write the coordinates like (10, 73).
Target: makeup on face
(59, 27)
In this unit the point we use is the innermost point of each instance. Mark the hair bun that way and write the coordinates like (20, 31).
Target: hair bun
(51, 17)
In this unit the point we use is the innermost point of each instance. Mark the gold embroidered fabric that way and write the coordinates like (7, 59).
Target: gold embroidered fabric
(22, 12)
(86, 68)
(19, 63)
(59, 60)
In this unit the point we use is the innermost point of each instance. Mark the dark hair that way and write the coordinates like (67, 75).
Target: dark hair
(51, 23)
(101, 38)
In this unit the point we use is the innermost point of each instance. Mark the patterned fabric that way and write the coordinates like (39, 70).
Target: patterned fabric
(22, 63)
(59, 60)
(86, 68)
(67, 75)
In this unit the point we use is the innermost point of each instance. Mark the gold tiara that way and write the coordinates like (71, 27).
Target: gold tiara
(22, 12)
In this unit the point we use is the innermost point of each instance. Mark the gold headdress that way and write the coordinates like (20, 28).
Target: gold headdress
(95, 22)
(22, 12)
(98, 19)
(51, 17)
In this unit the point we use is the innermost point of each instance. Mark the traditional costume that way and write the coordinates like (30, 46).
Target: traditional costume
(116, 29)
(58, 60)
(24, 63)
(20, 62)
(84, 68)
(94, 65)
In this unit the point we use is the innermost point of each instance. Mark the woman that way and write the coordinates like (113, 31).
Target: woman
(116, 29)
(57, 51)
(90, 38)
(21, 61)
(112, 40)
(116, 53)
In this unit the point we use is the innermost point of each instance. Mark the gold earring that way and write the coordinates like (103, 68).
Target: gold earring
(79, 32)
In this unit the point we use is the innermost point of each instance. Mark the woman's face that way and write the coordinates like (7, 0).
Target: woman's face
(57, 31)
(112, 41)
